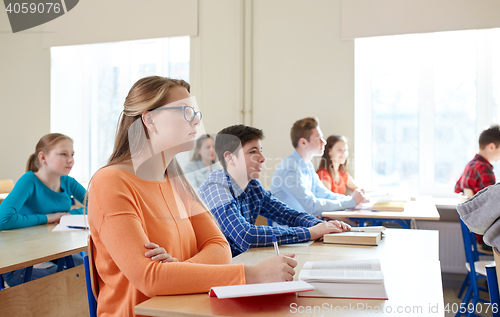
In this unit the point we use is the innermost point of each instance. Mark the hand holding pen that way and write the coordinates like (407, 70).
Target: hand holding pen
(279, 268)
(275, 243)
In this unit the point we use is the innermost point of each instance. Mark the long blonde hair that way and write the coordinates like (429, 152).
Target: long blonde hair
(45, 144)
(147, 94)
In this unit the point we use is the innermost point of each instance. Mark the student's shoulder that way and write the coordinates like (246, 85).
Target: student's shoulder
(479, 166)
(191, 166)
(256, 187)
(68, 180)
(288, 163)
(323, 173)
(29, 175)
(216, 179)
(28, 179)
(110, 175)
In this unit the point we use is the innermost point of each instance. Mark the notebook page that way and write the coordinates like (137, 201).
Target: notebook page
(341, 276)
(364, 265)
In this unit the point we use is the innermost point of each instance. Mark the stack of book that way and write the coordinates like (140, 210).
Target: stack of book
(345, 279)
(391, 203)
(357, 235)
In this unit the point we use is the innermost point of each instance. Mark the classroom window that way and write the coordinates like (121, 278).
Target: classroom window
(89, 84)
(421, 101)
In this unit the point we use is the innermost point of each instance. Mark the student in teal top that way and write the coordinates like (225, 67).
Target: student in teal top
(42, 195)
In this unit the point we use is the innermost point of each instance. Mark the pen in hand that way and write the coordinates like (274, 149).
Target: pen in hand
(275, 242)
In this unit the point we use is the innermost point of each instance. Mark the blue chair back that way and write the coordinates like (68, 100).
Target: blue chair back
(91, 278)
(491, 273)
(470, 245)
(90, 294)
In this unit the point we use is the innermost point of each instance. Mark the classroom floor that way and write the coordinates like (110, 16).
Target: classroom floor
(451, 287)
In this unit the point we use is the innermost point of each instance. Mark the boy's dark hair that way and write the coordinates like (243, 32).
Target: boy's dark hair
(303, 129)
(490, 135)
(231, 138)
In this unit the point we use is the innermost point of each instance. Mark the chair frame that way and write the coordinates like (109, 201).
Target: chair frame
(491, 273)
(91, 278)
(471, 256)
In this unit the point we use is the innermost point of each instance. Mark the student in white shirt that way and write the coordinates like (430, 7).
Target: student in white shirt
(295, 181)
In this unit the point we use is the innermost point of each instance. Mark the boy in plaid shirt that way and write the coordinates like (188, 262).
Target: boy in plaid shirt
(478, 173)
(235, 197)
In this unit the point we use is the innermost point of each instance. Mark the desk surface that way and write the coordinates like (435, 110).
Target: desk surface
(28, 246)
(412, 279)
(421, 209)
(446, 203)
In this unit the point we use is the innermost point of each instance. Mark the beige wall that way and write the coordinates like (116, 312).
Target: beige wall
(364, 18)
(24, 96)
(301, 68)
(25, 63)
(275, 60)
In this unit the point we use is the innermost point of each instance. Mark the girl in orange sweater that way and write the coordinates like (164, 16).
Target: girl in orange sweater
(143, 197)
(332, 168)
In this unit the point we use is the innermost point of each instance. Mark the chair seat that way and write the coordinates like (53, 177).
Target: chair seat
(480, 266)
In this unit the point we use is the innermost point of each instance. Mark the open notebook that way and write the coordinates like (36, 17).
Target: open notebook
(345, 279)
(72, 223)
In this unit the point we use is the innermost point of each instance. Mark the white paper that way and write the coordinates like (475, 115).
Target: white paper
(345, 290)
(247, 290)
(356, 271)
(368, 229)
(341, 276)
(72, 220)
(364, 265)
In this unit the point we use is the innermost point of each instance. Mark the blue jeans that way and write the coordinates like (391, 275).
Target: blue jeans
(17, 277)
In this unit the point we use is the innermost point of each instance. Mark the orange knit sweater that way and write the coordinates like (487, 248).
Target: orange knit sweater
(126, 212)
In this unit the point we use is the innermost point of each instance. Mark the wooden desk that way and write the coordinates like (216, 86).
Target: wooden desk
(421, 209)
(412, 279)
(446, 203)
(24, 247)
(59, 294)
(394, 239)
(3, 196)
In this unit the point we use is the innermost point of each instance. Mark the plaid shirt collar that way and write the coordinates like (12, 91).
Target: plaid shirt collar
(482, 159)
(235, 189)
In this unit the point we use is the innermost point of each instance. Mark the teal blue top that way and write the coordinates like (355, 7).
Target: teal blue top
(30, 200)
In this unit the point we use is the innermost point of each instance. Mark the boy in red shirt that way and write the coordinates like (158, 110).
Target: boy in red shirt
(478, 173)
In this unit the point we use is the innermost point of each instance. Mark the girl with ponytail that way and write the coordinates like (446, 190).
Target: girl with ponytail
(42, 195)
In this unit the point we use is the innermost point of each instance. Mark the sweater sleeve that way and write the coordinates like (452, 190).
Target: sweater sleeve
(211, 243)
(113, 212)
(10, 218)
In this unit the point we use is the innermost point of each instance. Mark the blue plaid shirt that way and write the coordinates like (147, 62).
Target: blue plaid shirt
(236, 210)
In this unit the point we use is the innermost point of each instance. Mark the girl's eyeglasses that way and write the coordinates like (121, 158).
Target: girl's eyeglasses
(188, 111)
